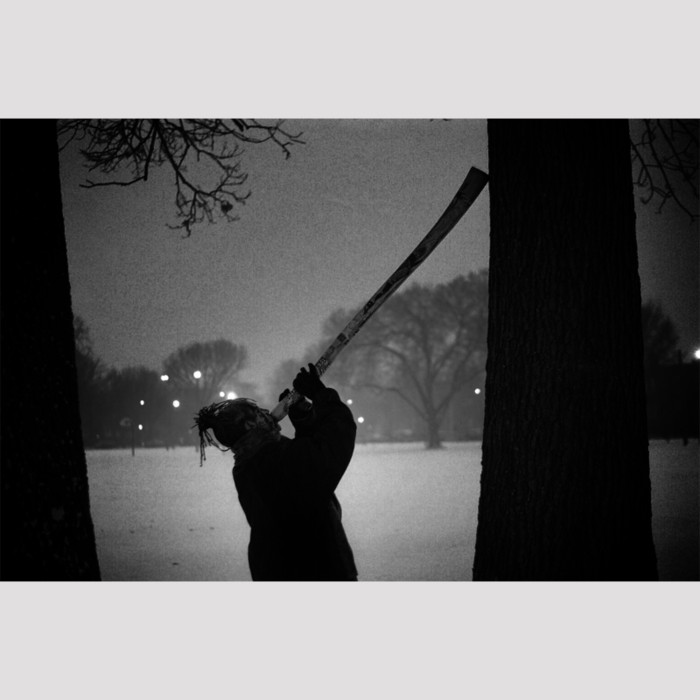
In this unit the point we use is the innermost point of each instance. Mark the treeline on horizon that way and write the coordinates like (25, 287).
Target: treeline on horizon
(415, 372)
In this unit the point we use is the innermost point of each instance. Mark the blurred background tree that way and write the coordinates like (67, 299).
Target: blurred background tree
(423, 346)
(201, 370)
(672, 385)
(660, 336)
(139, 406)
(91, 373)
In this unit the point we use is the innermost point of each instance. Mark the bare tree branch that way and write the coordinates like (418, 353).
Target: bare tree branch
(210, 149)
(665, 161)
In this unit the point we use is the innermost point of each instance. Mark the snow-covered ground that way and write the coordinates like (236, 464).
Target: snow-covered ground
(410, 514)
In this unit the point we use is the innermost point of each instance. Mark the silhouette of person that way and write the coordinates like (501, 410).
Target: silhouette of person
(285, 486)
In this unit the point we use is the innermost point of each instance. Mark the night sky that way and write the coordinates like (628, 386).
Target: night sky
(321, 230)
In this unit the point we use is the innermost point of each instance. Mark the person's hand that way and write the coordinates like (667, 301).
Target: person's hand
(299, 408)
(308, 383)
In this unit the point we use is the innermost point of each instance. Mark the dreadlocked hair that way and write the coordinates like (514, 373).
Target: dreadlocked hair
(226, 420)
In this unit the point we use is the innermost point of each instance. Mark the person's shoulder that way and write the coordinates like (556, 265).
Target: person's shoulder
(329, 402)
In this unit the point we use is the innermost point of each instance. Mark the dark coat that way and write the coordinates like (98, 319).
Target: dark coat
(287, 494)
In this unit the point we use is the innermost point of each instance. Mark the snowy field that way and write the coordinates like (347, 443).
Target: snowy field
(410, 514)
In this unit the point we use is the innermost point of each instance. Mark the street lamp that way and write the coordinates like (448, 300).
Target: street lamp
(164, 377)
(232, 395)
(696, 354)
(197, 374)
(171, 425)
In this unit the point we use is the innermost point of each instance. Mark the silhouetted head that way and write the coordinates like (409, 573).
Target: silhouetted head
(230, 421)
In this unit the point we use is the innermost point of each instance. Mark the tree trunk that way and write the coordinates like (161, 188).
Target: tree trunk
(433, 441)
(565, 487)
(47, 531)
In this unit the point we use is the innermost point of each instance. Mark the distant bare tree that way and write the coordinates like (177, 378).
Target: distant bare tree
(660, 336)
(90, 371)
(218, 361)
(424, 345)
(665, 162)
(89, 367)
(138, 145)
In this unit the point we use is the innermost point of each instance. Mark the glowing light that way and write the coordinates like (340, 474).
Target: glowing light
(164, 377)
(197, 374)
(360, 420)
(222, 394)
(140, 426)
(176, 403)
(142, 402)
(349, 402)
(232, 395)
(477, 391)
(696, 354)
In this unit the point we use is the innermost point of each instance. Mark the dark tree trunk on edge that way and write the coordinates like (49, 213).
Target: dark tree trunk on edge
(47, 531)
(565, 487)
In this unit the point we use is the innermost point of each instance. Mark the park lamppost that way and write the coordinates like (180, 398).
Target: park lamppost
(142, 403)
(169, 423)
(176, 405)
(129, 422)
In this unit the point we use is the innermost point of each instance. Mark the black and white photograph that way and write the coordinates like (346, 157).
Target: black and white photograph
(360, 369)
